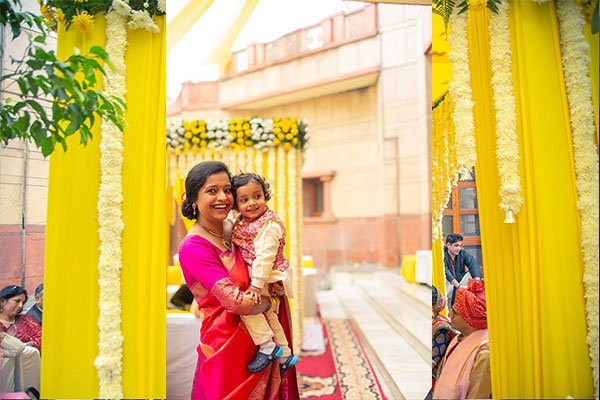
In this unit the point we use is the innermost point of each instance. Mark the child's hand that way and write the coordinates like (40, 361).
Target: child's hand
(276, 289)
(254, 293)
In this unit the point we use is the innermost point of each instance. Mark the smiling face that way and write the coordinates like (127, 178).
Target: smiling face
(12, 306)
(214, 200)
(250, 200)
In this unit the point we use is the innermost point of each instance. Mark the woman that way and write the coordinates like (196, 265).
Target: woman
(20, 342)
(217, 276)
(441, 331)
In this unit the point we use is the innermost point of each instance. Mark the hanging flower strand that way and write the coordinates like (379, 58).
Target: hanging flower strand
(574, 49)
(460, 90)
(108, 363)
(507, 145)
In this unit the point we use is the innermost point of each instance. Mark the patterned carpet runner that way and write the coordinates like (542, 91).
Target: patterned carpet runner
(341, 371)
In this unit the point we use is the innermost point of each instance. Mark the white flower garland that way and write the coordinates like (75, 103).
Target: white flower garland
(460, 90)
(271, 178)
(110, 197)
(292, 228)
(507, 145)
(280, 185)
(574, 50)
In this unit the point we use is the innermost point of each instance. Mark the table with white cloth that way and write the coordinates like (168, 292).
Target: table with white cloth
(183, 337)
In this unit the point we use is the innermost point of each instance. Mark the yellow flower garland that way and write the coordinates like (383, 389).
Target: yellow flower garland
(574, 50)
(444, 168)
(108, 363)
(507, 145)
(460, 90)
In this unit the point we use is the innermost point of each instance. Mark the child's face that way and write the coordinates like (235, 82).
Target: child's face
(251, 200)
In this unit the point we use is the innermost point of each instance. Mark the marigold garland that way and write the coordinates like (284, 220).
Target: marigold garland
(460, 90)
(444, 171)
(574, 49)
(110, 198)
(260, 133)
(80, 13)
(507, 145)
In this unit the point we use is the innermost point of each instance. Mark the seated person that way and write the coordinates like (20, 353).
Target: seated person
(35, 311)
(20, 343)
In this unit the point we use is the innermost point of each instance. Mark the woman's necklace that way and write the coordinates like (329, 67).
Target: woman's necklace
(7, 323)
(225, 242)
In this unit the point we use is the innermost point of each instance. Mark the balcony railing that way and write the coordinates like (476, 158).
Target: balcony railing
(332, 32)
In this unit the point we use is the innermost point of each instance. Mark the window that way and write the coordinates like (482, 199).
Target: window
(316, 196)
(461, 215)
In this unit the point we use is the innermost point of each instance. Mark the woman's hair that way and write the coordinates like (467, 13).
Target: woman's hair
(244, 179)
(435, 294)
(11, 291)
(195, 179)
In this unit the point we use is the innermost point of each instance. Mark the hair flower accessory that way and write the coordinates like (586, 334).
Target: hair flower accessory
(183, 196)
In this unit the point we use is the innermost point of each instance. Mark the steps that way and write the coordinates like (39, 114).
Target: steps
(393, 321)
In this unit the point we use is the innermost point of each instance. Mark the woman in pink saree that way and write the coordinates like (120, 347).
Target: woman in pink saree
(217, 276)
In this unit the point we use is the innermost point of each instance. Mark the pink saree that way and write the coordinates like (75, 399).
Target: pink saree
(457, 364)
(218, 280)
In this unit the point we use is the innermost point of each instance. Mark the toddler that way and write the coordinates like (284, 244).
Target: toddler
(259, 234)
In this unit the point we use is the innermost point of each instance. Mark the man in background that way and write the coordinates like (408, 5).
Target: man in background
(459, 266)
(35, 311)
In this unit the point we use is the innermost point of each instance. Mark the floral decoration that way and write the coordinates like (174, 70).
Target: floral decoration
(460, 90)
(108, 363)
(507, 145)
(236, 133)
(80, 13)
(574, 49)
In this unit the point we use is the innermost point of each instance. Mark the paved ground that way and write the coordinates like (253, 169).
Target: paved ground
(393, 319)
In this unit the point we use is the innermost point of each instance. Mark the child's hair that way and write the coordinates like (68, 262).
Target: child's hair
(243, 179)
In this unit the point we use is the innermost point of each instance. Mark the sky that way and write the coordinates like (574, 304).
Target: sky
(270, 20)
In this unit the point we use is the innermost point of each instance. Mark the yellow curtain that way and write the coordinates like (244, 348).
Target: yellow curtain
(183, 21)
(222, 52)
(70, 334)
(533, 268)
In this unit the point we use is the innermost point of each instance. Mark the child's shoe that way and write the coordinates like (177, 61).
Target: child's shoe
(289, 362)
(262, 360)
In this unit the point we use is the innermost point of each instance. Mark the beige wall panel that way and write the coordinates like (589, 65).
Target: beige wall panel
(37, 198)
(10, 198)
(37, 168)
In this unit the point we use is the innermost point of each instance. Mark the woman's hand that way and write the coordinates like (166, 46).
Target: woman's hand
(276, 289)
(254, 293)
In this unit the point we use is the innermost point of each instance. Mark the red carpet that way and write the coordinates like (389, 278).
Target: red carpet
(341, 371)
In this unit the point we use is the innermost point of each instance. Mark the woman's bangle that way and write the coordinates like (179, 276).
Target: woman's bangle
(273, 302)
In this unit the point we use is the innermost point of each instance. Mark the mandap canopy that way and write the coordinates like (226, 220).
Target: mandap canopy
(104, 320)
(517, 99)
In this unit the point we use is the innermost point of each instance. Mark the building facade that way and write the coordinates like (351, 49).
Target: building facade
(362, 82)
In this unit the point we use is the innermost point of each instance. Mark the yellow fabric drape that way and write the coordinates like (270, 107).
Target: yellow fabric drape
(70, 333)
(222, 52)
(184, 21)
(533, 268)
(438, 279)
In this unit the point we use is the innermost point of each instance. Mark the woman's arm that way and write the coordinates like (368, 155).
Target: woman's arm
(30, 332)
(201, 263)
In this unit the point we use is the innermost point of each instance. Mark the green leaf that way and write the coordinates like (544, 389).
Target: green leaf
(444, 8)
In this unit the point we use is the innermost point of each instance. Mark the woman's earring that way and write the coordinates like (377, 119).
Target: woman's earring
(195, 210)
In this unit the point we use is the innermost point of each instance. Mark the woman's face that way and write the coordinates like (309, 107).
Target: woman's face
(215, 199)
(13, 306)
